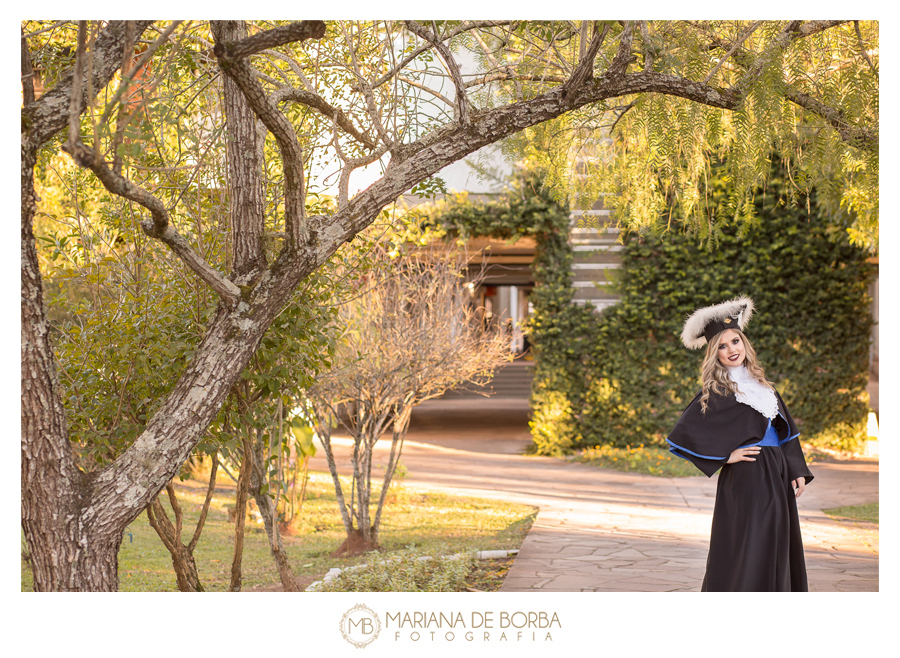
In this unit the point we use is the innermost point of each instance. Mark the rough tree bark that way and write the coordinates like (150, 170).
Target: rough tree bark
(72, 544)
(245, 167)
(186, 574)
(267, 510)
(240, 514)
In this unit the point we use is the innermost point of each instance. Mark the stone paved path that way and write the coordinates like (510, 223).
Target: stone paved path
(602, 530)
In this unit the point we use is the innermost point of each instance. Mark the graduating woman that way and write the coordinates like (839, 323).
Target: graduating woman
(738, 423)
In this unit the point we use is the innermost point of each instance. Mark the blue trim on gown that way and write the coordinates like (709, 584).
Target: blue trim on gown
(770, 439)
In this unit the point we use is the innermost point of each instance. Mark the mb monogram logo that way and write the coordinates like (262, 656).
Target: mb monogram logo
(360, 626)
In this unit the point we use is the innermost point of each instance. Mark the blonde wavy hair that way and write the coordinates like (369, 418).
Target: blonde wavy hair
(714, 376)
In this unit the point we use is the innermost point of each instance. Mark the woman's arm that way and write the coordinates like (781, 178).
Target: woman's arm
(743, 455)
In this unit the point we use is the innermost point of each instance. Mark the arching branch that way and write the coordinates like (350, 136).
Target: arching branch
(277, 36)
(462, 98)
(324, 107)
(158, 227)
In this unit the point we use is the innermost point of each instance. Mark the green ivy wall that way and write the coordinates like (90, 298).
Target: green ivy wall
(622, 376)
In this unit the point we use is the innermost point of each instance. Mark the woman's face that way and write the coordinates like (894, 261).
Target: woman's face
(731, 348)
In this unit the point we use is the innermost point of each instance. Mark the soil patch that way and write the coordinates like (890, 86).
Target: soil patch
(488, 575)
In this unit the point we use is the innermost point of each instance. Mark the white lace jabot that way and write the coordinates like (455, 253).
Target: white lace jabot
(752, 393)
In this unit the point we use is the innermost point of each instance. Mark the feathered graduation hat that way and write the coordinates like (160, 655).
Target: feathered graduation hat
(704, 324)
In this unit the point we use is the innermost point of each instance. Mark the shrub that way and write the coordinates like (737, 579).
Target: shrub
(407, 571)
(811, 328)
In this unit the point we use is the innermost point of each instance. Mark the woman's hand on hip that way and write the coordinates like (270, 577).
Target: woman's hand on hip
(743, 455)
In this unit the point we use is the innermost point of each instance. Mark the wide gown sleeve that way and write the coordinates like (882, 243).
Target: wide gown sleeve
(707, 466)
(793, 452)
(797, 467)
(707, 439)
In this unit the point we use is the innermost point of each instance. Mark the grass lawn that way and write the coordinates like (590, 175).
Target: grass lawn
(867, 512)
(651, 460)
(430, 522)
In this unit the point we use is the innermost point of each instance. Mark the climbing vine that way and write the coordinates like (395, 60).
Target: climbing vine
(622, 376)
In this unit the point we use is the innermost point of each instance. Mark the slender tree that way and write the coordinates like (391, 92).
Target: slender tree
(186, 575)
(410, 336)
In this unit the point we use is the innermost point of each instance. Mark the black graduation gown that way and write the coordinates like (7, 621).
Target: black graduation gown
(755, 543)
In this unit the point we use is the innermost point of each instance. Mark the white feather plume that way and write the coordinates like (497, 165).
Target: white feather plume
(692, 334)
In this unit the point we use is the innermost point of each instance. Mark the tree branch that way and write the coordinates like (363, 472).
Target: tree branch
(294, 66)
(861, 138)
(737, 44)
(648, 53)
(324, 107)
(128, 78)
(862, 48)
(158, 227)
(585, 69)
(426, 156)
(508, 74)
(176, 510)
(348, 169)
(485, 50)
(774, 50)
(367, 91)
(791, 32)
(299, 31)
(27, 73)
(122, 118)
(74, 101)
(160, 522)
(425, 88)
(238, 69)
(622, 114)
(462, 98)
(206, 502)
(623, 56)
(465, 27)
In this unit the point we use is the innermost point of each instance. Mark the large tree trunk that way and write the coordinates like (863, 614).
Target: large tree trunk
(244, 156)
(71, 547)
